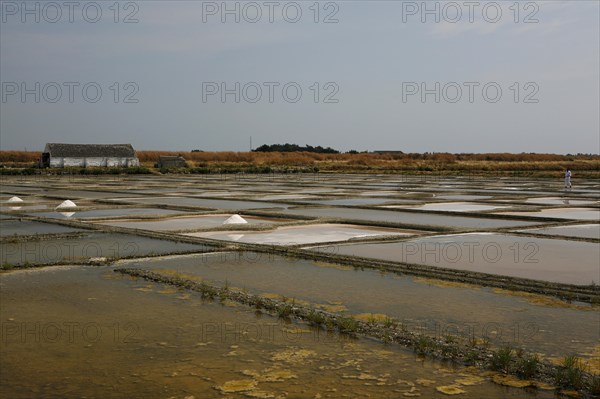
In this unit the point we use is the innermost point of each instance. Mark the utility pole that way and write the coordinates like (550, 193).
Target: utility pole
(250, 143)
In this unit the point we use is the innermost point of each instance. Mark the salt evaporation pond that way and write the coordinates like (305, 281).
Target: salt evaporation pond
(187, 222)
(113, 212)
(88, 194)
(463, 197)
(297, 235)
(562, 213)
(17, 227)
(20, 207)
(405, 217)
(206, 203)
(107, 335)
(356, 201)
(89, 245)
(277, 197)
(171, 355)
(451, 207)
(575, 230)
(559, 201)
(432, 305)
(554, 260)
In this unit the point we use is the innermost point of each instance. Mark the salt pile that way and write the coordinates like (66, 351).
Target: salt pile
(67, 204)
(235, 219)
(15, 199)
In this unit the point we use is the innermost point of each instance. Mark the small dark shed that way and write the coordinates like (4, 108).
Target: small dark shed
(170, 162)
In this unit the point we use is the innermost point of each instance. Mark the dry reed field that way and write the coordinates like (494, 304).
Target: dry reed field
(540, 165)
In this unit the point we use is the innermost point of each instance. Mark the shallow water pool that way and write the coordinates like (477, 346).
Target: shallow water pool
(554, 260)
(112, 336)
(308, 234)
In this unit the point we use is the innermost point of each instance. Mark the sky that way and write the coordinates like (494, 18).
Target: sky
(435, 76)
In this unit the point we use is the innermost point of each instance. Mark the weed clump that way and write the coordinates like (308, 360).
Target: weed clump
(471, 357)
(388, 322)
(425, 345)
(284, 310)
(502, 359)
(347, 324)
(570, 375)
(315, 318)
(594, 385)
(526, 367)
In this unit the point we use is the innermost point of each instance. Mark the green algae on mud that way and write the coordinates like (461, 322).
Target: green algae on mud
(536, 323)
(455, 349)
(145, 344)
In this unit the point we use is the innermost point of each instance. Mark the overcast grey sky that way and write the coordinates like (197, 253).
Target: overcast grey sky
(458, 76)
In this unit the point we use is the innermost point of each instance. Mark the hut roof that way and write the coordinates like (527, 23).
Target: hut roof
(163, 158)
(90, 150)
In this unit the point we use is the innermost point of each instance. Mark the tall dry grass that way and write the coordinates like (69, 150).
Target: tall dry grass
(19, 156)
(553, 164)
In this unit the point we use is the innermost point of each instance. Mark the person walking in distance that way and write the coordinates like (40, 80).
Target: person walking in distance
(568, 178)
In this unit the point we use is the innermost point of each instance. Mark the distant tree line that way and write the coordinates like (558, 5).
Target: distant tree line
(295, 148)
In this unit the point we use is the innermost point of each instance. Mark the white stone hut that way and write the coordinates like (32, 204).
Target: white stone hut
(58, 155)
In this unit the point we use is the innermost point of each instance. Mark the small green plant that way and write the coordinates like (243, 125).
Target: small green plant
(7, 266)
(471, 357)
(424, 345)
(449, 348)
(329, 324)
(386, 338)
(207, 291)
(372, 320)
(284, 310)
(315, 318)
(388, 322)
(501, 359)
(347, 324)
(594, 385)
(570, 375)
(527, 366)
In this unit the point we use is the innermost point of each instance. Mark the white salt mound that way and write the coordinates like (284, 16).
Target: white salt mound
(235, 219)
(15, 199)
(67, 214)
(66, 204)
